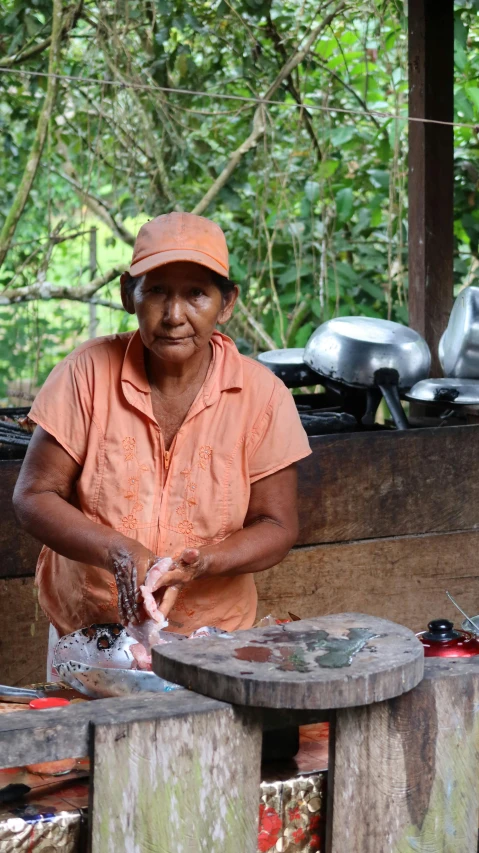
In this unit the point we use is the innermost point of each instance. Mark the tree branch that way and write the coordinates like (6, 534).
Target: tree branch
(71, 17)
(304, 112)
(255, 325)
(23, 191)
(161, 176)
(259, 119)
(45, 290)
(97, 206)
(348, 88)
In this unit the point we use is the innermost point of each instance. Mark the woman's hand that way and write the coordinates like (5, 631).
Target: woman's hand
(130, 563)
(189, 566)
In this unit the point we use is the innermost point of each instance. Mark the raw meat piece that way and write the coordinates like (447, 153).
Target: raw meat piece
(151, 606)
(142, 658)
(154, 575)
(157, 570)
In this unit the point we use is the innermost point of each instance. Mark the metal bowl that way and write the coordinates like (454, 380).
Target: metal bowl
(97, 661)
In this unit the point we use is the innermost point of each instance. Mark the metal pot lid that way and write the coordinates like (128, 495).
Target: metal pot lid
(457, 392)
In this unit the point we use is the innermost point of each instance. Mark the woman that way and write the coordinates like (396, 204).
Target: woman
(163, 442)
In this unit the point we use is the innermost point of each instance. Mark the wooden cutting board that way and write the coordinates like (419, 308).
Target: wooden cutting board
(336, 661)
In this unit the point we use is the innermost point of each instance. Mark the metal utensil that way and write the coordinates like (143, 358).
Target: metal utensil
(357, 351)
(468, 620)
(20, 695)
(289, 365)
(451, 391)
(24, 695)
(459, 346)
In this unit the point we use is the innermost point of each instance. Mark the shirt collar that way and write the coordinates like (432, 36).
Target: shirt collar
(225, 374)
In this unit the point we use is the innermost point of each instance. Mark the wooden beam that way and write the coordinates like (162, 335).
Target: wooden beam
(28, 737)
(405, 774)
(188, 783)
(431, 178)
(401, 579)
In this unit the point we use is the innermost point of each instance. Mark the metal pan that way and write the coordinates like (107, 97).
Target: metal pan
(459, 346)
(446, 391)
(365, 352)
(289, 365)
(97, 662)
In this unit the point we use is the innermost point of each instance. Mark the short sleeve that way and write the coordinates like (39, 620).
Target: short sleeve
(278, 439)
(63, 407)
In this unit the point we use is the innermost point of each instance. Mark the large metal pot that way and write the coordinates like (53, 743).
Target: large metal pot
(364, 352)
(459, 346)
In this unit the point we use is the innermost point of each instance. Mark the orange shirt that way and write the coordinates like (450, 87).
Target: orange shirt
(242, 426)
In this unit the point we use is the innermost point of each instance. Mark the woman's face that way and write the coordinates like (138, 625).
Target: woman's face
(178, 307)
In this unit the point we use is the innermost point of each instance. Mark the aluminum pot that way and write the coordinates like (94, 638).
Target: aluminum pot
(352, 349)
(364, 352)
(459, 346)
(289, 365)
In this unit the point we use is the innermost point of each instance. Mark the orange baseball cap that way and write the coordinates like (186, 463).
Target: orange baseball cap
(180, 237)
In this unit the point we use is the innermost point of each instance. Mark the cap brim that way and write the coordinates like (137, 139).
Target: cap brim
(169, 257)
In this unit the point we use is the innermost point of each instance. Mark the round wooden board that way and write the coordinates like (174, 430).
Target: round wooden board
(337, 661)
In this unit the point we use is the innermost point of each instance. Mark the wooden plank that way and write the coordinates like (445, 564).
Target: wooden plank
(402, 579)
(377, 484)
(406, 770)
(19, 550)
(331, 662)
(356, 486)
(431, 175)
(188, 784)
(23, 633)
(29, 737)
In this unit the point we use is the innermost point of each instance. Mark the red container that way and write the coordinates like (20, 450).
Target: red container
(442, 640)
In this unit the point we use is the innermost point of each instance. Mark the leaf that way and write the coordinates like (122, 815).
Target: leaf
(344, 203)
(312, 190)
(460, 57)
(343, 134)
(473, 95)
(379, 178)
(327, 168)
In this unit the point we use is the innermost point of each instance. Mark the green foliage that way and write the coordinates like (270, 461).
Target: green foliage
(315, 214)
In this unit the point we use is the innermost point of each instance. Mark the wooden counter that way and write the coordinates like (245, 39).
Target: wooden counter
(388, 521)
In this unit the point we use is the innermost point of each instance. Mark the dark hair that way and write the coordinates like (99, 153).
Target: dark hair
(225, 285)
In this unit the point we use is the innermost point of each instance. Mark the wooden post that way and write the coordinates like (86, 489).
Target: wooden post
(406, 770)
(431, 74)
(188, 783)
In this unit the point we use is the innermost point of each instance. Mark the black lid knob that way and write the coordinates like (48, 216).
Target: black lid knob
(441, 630)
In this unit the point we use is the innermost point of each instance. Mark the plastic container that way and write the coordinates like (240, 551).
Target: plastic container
(444, 641)
(51, 768)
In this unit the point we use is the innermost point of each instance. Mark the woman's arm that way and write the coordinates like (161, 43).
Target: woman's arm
(41, 503)
(270, 530)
